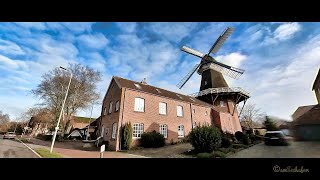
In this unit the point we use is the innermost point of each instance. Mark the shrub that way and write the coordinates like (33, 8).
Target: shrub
(205, 138)
(239, 135)
(238, 146)
(126, 136)
(219, 154)
(227, 150)
(246, 140)
(204, 155)
(152, 139)
(225, 142)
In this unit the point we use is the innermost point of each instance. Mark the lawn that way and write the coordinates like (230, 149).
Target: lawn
(45, 153)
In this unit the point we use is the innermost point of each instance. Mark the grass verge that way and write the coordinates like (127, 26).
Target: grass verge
(45, 153)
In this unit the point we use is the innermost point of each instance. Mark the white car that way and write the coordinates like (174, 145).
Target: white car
(9, 135)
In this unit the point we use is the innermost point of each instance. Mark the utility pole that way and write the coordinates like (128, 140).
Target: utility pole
(64, 101)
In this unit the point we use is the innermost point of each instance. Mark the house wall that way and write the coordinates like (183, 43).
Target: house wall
(317, 92)
(107, 120)
(152, 119)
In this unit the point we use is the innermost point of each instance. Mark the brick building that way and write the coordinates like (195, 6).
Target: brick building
(151, 108)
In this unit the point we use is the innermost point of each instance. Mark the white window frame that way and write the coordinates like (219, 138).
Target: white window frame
(164, 130)
(222, 103)
(180, 131)
(178, 113)
(110, 107)
(117, 105)
(104, 111)
(139, 104)
(138, 129)
(114, 131)
(163, 108)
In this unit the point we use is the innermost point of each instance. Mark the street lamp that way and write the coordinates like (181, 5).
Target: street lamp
(64, 101)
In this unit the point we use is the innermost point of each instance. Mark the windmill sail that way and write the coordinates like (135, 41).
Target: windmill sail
(222, 38)
(188, 76)
(227, 70)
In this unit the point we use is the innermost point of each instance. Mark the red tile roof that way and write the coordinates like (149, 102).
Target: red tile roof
(157, 91)
(311, 116)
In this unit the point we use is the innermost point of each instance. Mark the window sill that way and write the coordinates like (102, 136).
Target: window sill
(163, 114)
(139, 111)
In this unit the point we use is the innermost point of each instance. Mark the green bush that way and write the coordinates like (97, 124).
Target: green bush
(204, 155)
(246, 140)
(219, 154)
(205, 138)
(126, 136)
(227, 150)
(225, 142)
(152, 140)
(239, 135)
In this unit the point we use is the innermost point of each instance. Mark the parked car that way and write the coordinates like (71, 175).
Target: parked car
(275, 138)
(9, 135)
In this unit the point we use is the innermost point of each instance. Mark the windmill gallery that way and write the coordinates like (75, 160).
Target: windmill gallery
(173, 115)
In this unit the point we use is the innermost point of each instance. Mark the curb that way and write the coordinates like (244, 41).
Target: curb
(138, 155)
(29, 148)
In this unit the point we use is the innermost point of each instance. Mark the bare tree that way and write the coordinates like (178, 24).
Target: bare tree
(4, 118)
(53, 87)
(250, 114)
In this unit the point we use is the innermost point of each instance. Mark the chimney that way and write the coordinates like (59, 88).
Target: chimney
(144, 81)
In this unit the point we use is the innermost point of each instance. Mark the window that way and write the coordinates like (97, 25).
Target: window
(104, 111)
(114, 130)
(139, 104)
(163, 108)
(137, 130)
(206, 113)
(222, 103)
(194, 111)
(110, 107)
(164, 130)
(117, 106)
(179, 111)
(181, 131)
(137, 85)
(158, 91)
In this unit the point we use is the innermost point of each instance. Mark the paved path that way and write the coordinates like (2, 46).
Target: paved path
(14, 149)
(295, 150)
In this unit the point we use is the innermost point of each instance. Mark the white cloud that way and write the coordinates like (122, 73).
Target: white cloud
(8, 47)
(280, 90)
(283, 32)
(11, 64)
(32, 25)
(96, 41)
(172, 31)
(234, 59)
(286, 31)
(128, 27)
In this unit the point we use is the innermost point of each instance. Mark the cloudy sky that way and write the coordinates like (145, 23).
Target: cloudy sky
(281, 59)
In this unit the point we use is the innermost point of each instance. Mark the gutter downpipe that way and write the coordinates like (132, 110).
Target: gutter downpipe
(124, 96)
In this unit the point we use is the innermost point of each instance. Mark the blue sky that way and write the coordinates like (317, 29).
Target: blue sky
(281, 59)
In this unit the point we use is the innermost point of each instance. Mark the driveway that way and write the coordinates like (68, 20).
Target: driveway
(14, 149)
(295, 150)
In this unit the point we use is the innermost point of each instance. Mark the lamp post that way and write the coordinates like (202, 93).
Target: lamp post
(64, 101)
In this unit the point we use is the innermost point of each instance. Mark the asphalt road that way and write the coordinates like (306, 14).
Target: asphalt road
(295, 150)
(14, 149)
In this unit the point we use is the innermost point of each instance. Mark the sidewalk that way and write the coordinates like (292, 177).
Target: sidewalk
(69, 152)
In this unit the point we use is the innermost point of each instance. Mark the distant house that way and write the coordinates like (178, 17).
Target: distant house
(81, 133)
(42, 124)
(306, 119)
(257, 127)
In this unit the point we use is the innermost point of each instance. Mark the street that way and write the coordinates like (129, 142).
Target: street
(295, 150)
(13, 149)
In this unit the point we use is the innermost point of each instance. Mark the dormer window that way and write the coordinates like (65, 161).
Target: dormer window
(158, 90)
(137, 85)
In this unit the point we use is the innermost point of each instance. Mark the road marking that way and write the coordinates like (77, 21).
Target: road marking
(30, 148)
(138, 155)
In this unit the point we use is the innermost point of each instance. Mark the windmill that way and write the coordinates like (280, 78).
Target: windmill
(213, 85)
